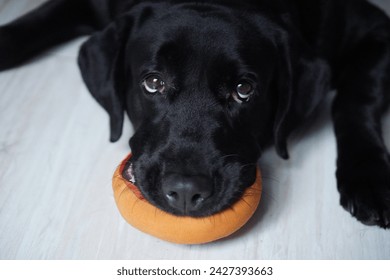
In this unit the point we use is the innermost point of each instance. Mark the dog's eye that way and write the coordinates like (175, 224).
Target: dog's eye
(243, 93)
(153, 84)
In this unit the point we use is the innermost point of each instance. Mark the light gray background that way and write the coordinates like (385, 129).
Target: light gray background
(56, 165)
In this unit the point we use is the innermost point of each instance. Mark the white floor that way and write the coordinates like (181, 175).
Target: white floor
(56, 164)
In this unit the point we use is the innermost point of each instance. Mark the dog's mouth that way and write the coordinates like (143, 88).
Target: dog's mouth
(128, 172)
(184, 195)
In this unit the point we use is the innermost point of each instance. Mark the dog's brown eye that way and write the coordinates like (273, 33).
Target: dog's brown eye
(243, 92)
(153, 84)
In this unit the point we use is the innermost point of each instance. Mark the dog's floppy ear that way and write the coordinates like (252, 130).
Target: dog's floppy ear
(102, 67)
(302, 80)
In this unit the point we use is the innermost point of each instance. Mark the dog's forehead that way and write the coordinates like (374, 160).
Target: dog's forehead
(199, 31)
(176, 38)
(168, 12)
(218, 44)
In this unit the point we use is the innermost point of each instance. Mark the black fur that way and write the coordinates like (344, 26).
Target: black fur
(292, 53)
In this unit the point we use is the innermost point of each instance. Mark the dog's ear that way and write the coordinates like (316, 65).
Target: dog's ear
(302, 81)
(102, 65)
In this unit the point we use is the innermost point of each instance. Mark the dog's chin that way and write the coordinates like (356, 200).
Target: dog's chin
(210, 208)
(205, 211)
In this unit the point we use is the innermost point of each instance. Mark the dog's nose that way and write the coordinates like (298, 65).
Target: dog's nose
(186, 193)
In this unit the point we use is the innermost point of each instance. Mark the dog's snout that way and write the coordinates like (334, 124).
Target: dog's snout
(186, 193)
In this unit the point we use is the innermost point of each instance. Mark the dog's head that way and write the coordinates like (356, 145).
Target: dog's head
(205, 86)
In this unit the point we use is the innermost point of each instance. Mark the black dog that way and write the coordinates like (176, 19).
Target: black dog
(209, 84)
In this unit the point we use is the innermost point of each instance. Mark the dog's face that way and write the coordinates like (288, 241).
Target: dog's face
(200, 84)
(196, 142)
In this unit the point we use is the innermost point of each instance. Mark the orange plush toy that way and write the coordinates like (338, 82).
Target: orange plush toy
(183, 230)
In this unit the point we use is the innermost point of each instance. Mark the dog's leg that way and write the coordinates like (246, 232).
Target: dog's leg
(363, 164)
(54, 22)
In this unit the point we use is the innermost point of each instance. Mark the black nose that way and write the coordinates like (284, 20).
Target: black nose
(186, 193)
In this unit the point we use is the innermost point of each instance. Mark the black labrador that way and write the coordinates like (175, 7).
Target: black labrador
(209, 84)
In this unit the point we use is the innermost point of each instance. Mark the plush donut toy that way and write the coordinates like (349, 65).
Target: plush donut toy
(178, 229)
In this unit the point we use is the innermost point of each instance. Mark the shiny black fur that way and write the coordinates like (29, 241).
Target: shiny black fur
(293, 53)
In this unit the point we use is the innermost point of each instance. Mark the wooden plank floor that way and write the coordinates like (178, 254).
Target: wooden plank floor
(56, 165)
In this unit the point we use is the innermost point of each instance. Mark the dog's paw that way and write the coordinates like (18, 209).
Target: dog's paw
(364, 189)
